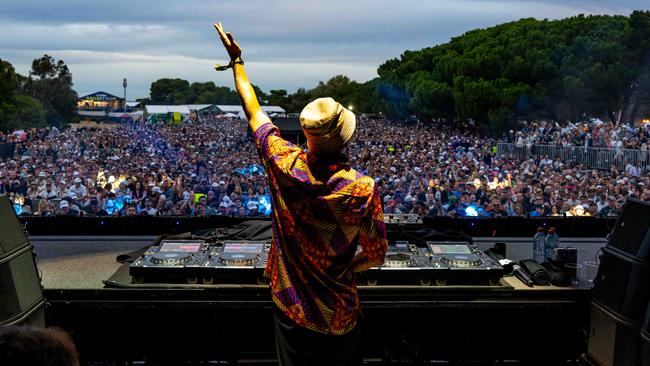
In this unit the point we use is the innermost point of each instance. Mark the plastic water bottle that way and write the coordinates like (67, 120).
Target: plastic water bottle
(538, 245)
(550, 244)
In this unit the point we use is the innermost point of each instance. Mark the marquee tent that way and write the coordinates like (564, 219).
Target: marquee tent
(164, 109)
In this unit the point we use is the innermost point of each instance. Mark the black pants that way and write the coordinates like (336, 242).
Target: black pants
(298, 346)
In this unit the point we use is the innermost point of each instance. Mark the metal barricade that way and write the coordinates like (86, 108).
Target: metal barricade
(590, 157)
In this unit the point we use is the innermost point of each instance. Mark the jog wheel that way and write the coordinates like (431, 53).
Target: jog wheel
(207, 280)
(461, 260)
(239, 259)
(494, 281)
(371, 282)
(397, 260)
(441, 282)
(425, 282)
(170, 259)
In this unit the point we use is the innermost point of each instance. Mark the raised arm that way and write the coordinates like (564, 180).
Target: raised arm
(256, 117)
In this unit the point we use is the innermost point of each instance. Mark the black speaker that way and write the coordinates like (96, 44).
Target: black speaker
(12, 236)
(622, 285)
(612, 341)
(21, 295)
(631, 234)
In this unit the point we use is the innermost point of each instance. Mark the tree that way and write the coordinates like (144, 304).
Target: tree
(278, 97)
(29, 113)
(51, 84)
(8, 82)
(170, 91)
(17, 110)
(8, 86)
(563, 70)
(179, 91)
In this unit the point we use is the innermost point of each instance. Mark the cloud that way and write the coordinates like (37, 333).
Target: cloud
(287, 44)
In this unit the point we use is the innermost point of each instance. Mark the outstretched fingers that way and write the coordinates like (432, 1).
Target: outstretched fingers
(224, 38)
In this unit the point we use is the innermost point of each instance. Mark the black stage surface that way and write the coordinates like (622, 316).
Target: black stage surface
(233, 323)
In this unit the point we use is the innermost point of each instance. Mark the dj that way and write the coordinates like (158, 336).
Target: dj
(322, 210)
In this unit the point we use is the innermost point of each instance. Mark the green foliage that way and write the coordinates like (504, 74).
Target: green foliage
(562, 69)
(209, 93)
(28, 113)
(8, 86)
(170, 91)
(50, 83)
(17, 110)
(278, 97)
(363, 97)
(8, 82)
(179, 91)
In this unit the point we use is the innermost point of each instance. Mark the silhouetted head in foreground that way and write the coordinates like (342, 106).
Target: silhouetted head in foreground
(28, 346)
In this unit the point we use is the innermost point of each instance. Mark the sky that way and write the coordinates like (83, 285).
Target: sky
(286, 44)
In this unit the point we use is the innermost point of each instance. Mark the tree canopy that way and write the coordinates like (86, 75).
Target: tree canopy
(561, 70)
(17, 109)
(179, 91)
(50, 83)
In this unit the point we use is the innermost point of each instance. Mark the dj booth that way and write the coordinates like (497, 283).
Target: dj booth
(113, 318)
(232, 322)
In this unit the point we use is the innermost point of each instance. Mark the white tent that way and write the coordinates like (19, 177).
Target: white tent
(118, 114)
(273, 109)
(164, 109)
(91, 113)
(230, 108)
(237, 109)
(198, 107)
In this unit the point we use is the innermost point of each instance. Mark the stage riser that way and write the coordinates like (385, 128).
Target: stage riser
(454, 332)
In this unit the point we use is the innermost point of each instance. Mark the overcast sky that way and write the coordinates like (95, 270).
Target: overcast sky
(287, 44)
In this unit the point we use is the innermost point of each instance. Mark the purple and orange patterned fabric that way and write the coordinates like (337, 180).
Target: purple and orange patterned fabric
(321, 212)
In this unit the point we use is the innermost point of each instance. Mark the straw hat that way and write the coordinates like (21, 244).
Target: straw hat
(328, 126)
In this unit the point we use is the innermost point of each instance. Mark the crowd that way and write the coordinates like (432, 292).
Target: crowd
(591, 133)
(210, 167)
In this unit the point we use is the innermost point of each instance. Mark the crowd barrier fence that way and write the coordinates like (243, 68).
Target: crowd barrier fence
(590, 157)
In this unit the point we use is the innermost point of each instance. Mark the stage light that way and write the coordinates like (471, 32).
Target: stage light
(471, 211)
(579, 210)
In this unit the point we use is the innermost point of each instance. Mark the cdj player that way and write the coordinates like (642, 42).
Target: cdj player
(237, 262)
(465, 263)
(195, 261)
(404, 264)
(436, 263)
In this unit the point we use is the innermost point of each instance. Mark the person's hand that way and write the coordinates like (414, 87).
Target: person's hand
(228, 41)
